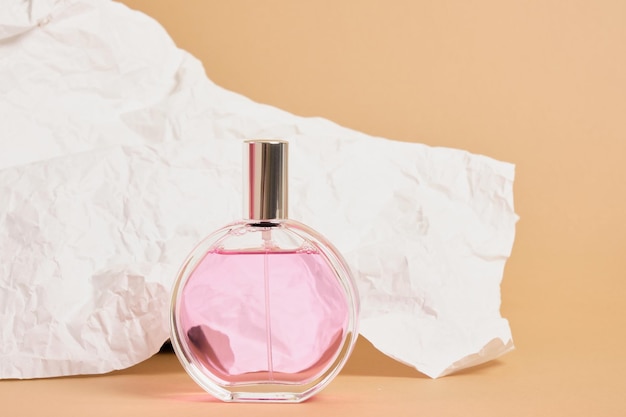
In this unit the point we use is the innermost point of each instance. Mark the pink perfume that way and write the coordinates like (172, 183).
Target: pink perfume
(264, 309)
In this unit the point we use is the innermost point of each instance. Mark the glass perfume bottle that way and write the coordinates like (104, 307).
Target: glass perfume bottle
(264, 309)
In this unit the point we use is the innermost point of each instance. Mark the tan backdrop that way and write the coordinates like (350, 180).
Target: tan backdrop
(541, 84)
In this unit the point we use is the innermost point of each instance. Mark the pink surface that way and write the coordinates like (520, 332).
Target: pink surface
(264, 316)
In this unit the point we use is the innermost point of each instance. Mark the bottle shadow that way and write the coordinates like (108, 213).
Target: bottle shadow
(162, 376)
(366, 360)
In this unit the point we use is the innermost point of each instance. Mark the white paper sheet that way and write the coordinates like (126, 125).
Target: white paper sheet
(117, 155)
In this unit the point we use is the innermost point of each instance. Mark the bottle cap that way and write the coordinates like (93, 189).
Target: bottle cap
(265, 179)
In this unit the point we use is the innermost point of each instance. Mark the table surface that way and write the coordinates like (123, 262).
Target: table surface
(518, 384)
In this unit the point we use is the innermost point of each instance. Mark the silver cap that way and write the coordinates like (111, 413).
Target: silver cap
(265, 179)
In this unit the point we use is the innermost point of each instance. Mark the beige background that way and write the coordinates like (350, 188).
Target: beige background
(541, 84)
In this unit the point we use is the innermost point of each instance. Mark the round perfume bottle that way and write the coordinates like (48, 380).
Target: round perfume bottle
(264, 309)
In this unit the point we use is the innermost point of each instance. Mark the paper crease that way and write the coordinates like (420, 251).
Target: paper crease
(117, 155)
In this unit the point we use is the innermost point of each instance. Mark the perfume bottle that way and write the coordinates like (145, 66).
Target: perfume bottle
(264, 309)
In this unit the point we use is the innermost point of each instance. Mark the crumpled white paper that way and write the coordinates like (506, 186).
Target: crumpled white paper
(117, 155)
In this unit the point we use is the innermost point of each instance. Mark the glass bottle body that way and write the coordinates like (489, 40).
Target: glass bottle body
(264, 312)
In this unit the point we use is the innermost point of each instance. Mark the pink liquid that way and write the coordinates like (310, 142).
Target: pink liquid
(253, 317)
